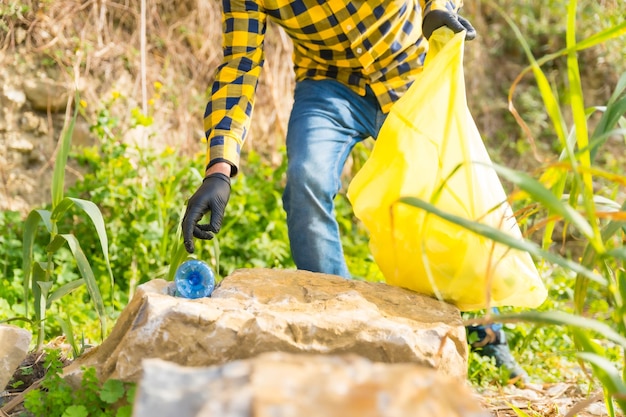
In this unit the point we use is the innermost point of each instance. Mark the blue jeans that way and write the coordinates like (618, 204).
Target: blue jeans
(327, 121)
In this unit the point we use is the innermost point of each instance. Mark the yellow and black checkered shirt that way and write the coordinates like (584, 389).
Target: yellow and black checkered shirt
(357, 42)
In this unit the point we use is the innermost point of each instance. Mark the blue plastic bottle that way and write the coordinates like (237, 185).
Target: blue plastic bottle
(194, 279)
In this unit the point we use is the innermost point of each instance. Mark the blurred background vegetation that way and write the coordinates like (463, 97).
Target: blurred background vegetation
(144, 102)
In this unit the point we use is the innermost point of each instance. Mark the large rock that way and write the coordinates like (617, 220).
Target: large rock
(292, 385)
(14, 343)
(45, 94)
(262, 310)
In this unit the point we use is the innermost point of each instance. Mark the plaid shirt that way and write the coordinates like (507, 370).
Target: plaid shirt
(357, 42)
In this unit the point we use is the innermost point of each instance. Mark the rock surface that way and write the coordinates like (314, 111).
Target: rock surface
(45, 94)
(14, 343)
(296, 385)
(29, 133)
(262, 310)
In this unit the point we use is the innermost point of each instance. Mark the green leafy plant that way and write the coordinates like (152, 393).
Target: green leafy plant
(55, 397)
(141, 191)
(39, 271)
(254, 232)
(483, 372)
(11, 291)
(587, 209)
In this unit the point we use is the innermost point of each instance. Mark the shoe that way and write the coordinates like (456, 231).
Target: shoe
(494, 345)
(504, 359)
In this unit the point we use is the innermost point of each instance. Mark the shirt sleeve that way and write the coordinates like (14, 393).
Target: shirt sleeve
(228, 112)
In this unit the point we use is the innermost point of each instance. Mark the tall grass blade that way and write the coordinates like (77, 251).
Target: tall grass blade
(64, 290)
(613, 112)
(68, 331)
(60, 208)
(608, 375)
(39, 294)
(586, 343)
(58, 176)
(28, 242)
(580, 124)
(518, 412)
(589, 259)
(621, 83)
(96, 219)
(41, 288)
(549, 99)
(17, 318)
(55, 244)
(216, 256)
(178, 253)
(603, 36)
(544, 196)
(600, 139)
(620, 278)
(561, 318)
(571, 143)
(94, 214)
(594, 40)
(90, 280)
(617, 253)
(504, 238)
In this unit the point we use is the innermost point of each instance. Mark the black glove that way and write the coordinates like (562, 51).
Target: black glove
(438, 18)
(212, 196)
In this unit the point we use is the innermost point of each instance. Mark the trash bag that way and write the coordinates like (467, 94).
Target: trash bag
(429, 147)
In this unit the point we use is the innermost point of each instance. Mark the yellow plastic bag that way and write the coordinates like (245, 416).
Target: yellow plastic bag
(427, 148)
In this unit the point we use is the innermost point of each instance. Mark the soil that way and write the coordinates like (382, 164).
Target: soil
(549, 400)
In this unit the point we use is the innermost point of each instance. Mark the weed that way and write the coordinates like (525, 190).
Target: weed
(39, 271)
(57, 398)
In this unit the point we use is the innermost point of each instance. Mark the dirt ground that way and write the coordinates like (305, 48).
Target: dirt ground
(550, 400)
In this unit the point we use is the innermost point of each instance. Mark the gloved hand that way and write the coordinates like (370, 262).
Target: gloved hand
(212, 196)
(438, 18)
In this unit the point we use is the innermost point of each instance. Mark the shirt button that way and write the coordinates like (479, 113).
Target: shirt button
(349, 27)
(359, 50)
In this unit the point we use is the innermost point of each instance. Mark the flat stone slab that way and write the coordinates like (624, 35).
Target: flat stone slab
(297, 385)
(14, 344)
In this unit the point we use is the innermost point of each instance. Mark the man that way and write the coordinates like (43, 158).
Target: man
(352, 59)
